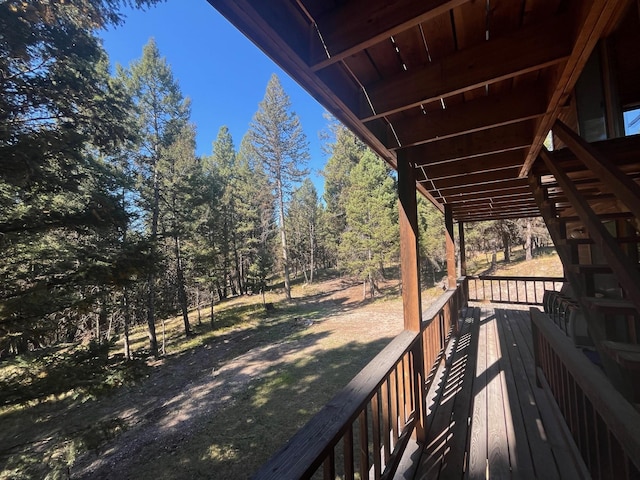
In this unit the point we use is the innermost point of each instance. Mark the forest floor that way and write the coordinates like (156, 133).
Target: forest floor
(216, 405)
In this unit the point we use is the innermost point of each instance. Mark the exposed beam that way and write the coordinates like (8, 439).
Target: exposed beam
(525, 50)
(496, 216)
(479, 179)
(504, 185)
(502, 207)
(487, 163)
(485, 112)
(513, 194)
(357, 25)
(593, 17)
(504, 204)
(495, 140)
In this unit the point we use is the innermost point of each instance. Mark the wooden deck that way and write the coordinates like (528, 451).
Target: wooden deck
(491, 420)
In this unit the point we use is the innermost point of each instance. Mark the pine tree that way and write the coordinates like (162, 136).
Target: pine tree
(371, 235)
(181, 171)
(304, 216)
(345, 151)
(61, 117)
(161, 115)
(431, 238)
(281, 146)
(256, 218)
(203, 248)
(222, 162)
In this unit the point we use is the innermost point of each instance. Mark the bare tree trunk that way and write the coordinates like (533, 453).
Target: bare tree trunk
(110, 327)
(311, 254)
(127, 322)
(283, 237)
(211, 318)
(506, 243)
(164, 338)
(182, 293)
(198, 304)
(151, 279)
(527, 243)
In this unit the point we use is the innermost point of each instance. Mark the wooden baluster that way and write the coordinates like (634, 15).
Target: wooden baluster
(375, 422)
(364, 445)
(393, 407)
(385, 420)
(347, 447)
(329, 466)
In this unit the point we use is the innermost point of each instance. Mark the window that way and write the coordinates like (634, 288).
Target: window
(632, 122)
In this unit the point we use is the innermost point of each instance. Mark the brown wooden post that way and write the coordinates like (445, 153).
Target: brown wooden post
(451, 264)
(463, 264)
(410, 267)
(409, 258)
(450, 247)
(463, 257)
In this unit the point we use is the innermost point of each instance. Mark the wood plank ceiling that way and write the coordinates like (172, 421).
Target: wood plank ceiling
(464, 90)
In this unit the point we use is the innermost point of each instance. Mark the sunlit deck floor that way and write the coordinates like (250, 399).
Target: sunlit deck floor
(491, 420)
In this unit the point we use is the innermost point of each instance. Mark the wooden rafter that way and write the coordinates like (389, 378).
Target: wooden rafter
(486, 112)
(482, 190)
(486, 163)
(496, 140)
(355, 26)
(525, 50)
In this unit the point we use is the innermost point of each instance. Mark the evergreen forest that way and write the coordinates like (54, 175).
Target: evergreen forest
(109, 219)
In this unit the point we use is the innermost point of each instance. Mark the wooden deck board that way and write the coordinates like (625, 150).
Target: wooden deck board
(478, 438)
(497, 406)
(443, 436)
(454, 462)
(520, 455)
(525, 402)
(495, 423)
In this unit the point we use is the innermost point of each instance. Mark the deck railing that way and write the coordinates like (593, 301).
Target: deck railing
(365, 428)
(603, 424)
(514, 290)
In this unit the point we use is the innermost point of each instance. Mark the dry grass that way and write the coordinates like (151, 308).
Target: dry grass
(219, 403)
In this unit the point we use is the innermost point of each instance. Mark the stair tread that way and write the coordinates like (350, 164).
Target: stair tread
(593, 267)
(610, 304)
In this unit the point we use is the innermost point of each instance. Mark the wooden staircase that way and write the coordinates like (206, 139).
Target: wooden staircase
(589, 198)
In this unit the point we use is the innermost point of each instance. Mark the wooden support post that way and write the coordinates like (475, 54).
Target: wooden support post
(450, 247)
(410, 268)
(463, 267)
(463, 256)
(409, 258)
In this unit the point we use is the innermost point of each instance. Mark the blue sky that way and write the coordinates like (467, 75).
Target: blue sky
(223, 73)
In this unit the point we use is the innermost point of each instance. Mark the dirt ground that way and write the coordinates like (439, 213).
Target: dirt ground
(164, 410)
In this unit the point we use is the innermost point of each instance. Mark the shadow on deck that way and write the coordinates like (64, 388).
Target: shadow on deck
(491, 420)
